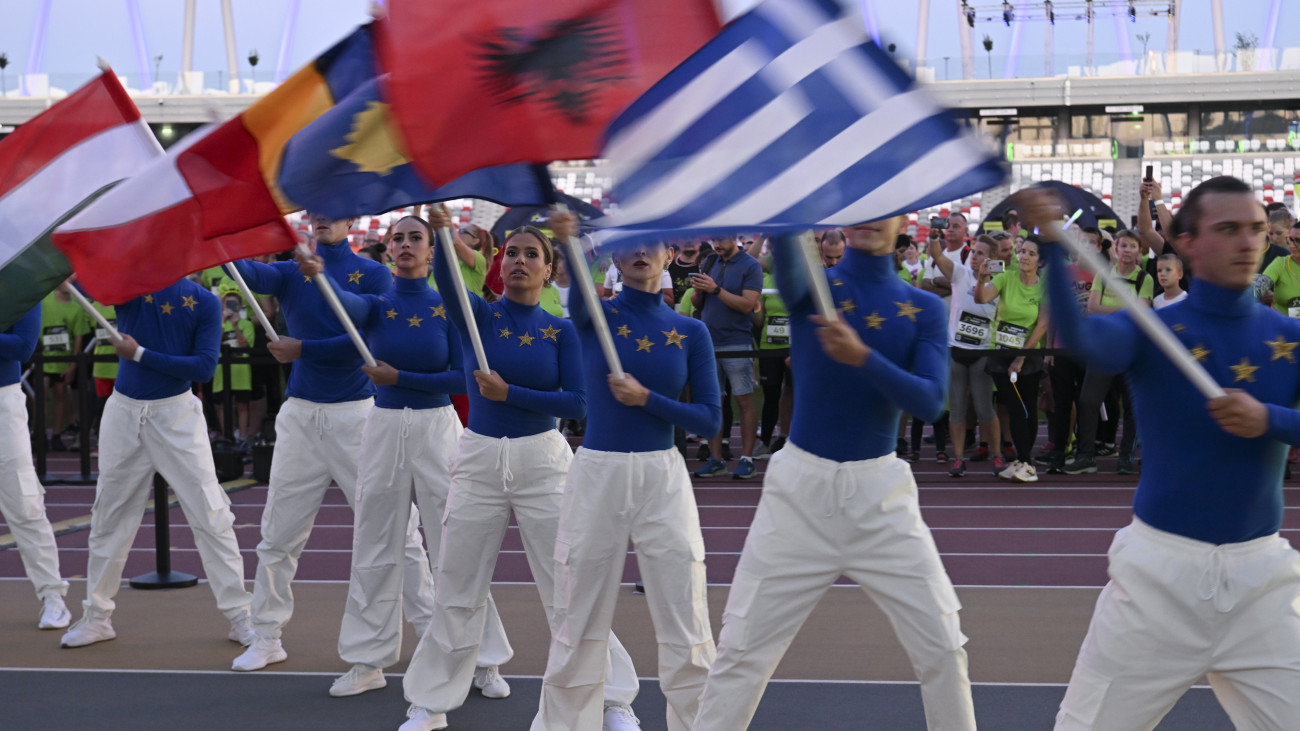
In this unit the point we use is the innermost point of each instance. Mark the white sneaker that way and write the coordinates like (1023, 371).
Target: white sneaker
(1011, 469)
(358, 680)
(1026, 473)
(490, 683)
(54, 614)
(620, 718)
(761, 450)
(422, 719)
(261, 653)
(88, 631)
(241, 629)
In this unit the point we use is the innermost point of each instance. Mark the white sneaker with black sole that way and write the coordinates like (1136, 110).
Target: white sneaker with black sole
(422, 719)
(54, 613)
(490, 683)
(358, 680)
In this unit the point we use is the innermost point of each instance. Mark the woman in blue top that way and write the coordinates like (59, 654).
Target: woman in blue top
(511, 459)
(629, 481)
(406, 448)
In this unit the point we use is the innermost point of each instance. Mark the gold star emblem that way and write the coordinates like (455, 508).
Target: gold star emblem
(189, 302)
(505, 332)
(1179, 327)
(837, 282)
(624, 330)
(167, 308)
(414, 321)
(674, 338)
(525, 339)
(874, 321)
(148, 298)
(614, 310)
(392, 314)
(549, 333)
(355, 277)
(496, 314)
(1244, 371)
(905, 309)
(643, 344)
(1199, 352)
(1282, 349)
(847, 306)
(439, 311)
(306, 279)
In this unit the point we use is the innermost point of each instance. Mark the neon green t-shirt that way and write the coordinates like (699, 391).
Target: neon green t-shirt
(474, 276)
(1145, 291)
(102, 346)
(61, 324)
(241, 376)
(550, 300)
(1285, 274)
(776, 318)
(685, 307)
(1018, 308)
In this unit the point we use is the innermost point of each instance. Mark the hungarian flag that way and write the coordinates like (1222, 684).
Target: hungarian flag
(214, 197)
(502, 81)
(50, 168)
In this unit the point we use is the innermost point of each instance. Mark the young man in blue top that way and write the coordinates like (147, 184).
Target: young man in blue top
(22, 502)
(628, 481)
(1200, 582)
(726, 292)
(153, 422)
(318, 432)
(836, 500)
(407, 447)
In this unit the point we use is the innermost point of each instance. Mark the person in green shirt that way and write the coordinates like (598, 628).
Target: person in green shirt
(237, 331)
(1283, 274)
(1020, 325)
(64, 326)
(104, 373)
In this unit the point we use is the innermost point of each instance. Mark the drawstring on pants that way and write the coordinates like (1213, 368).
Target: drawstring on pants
(321, 420)
(1216, 582)
(503, 461)
(843, 488)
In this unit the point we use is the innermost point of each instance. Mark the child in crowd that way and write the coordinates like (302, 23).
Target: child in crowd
(1169, 272)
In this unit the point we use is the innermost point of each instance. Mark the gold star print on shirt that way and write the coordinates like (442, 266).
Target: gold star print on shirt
(874, 321)
(414, 321)
(674, 338)
(1282, 349)
(1199, 352)
(1244, 371)
(190, 302)
(549, 333)
(504, 332)
(525, 339)
(392, 314)
(439, 311)
(624, 330)
(643, 344)
(847, 306)
(148, 298)
(167, 308)
(355, 277)
(906, 309)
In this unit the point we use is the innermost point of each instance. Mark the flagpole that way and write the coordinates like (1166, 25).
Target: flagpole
(251, 301)
(1144, 317)
(99, 318)
(816, 274)
(581, 272)
(327, 290)
(462, 295)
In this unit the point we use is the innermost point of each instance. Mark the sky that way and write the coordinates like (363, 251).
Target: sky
(81, 30)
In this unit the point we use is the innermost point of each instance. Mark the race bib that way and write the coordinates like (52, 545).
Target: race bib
(1293, 307)
(972, 329)
(56, 338)
(777, 331)
(232, 340)
(103, 335)
(1011, 336)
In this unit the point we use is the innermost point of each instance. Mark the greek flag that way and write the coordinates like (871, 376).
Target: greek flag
(789, 119)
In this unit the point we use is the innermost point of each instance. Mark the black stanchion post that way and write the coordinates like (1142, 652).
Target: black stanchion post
(38, 418)
(163, 577)
(85, 412)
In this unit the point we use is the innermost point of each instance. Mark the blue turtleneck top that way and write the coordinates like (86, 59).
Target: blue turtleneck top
(180, 329)
(1198, 481)
(329, 370)
(843, 413)
(665, 351)
(535, 352)
(407, 328)
(17, 345)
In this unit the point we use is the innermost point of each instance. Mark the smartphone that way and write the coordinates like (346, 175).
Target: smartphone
(1150, 173)
(232, 305)
(996, 266)
(939, 222)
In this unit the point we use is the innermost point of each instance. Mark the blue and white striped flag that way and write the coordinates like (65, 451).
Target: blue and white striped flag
(791, 118)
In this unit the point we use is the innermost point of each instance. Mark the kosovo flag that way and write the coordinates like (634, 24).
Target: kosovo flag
(351, 161)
